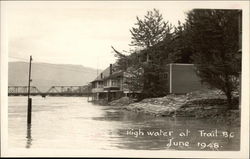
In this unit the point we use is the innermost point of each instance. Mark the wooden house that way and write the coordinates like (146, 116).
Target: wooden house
(180, 79)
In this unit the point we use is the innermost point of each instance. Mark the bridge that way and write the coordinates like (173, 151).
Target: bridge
(53, 91)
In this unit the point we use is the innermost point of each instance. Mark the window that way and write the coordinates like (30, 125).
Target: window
(113, 83)
(94, 85)
(100, 84)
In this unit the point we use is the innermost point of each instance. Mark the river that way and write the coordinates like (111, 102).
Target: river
(75, 123)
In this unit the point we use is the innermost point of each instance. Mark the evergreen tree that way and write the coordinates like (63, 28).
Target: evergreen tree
(150, 30)
(215, 37)
(133, 69)
(182, 46)
(146, 34)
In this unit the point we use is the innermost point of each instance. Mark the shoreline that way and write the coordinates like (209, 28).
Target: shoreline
(210, 105)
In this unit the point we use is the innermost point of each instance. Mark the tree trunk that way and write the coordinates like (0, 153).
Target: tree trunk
(228, 92)
(229, 99)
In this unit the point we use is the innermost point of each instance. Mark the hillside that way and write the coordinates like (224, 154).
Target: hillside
(45, 75)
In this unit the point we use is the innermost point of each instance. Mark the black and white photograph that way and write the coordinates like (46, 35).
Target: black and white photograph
(125, 79)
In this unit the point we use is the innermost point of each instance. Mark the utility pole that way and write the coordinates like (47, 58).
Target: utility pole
(29, 99)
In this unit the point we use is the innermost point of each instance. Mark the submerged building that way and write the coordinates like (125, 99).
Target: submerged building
(180, 78)
(109, 85)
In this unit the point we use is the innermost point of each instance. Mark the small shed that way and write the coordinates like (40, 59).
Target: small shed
(182, 78)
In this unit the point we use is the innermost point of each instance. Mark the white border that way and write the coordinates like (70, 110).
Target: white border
(4, 80)
(243, 153)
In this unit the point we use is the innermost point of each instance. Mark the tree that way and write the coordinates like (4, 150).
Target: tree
(136, 72)
(214, 36)
(122, 60)
(152, 35)
(182, 46)
(146, 34)
(133, 69)
(133, 78)
(150, 30)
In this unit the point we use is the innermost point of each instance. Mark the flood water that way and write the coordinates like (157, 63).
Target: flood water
(74, 123)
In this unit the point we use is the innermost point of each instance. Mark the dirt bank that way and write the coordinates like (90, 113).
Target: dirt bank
(124, 101)
(200, 104)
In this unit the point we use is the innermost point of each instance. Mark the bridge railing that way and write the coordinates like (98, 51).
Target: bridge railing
(22, 90)
(54, 90)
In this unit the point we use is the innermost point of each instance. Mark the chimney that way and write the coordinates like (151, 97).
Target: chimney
(110, 69)
(101, 75)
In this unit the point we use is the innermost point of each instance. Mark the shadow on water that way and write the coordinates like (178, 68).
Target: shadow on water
(28, 137)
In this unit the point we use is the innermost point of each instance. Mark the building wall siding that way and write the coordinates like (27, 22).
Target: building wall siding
(185, 79)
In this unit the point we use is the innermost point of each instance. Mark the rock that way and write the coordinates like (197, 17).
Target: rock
(200, 104)
(121, 102)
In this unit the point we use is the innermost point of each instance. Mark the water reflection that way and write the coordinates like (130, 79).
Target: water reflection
(28, 137)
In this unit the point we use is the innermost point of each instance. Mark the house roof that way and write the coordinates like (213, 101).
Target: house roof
(115, 74)
(106, 74)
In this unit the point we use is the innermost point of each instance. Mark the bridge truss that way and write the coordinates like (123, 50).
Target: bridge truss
(53, 91)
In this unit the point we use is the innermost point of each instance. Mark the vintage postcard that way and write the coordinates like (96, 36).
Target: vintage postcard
(155, 79)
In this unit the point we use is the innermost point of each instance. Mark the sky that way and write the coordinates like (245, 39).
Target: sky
(81, 32)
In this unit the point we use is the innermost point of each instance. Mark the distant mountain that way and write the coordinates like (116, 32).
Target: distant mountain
(45, 75)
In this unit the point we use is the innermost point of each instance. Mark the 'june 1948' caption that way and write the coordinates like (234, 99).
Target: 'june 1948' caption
(203, 139)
